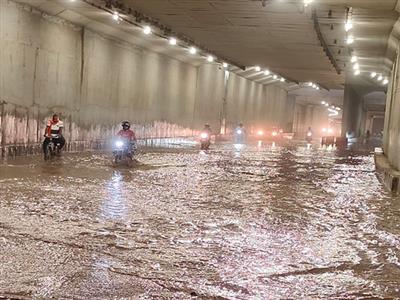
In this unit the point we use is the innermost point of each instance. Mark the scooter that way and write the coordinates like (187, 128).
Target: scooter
(205, 141)
(123, 151)
(53, 148)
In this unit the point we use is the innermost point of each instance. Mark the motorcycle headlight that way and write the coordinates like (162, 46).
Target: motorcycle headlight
(119, 144)
(204, 135)
(309, 134)
(274, 133)
(239, 131)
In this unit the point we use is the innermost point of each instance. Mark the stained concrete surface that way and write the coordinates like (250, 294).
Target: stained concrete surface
(94, 81)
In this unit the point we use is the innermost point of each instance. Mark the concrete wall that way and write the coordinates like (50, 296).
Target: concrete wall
(48, 65)
(392, 119)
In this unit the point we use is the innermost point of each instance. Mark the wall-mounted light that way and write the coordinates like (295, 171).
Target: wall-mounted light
(115, 16)
(258, 68)
(373, 75)
(173, 41)
(210, 58)
(192, 50)
(147, 30)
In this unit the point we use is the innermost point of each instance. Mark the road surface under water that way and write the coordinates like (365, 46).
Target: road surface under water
(250, 223)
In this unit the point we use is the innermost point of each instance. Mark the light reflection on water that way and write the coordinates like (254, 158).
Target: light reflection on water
(262, 222)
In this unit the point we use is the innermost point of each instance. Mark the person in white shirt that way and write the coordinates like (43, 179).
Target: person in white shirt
(54, 131)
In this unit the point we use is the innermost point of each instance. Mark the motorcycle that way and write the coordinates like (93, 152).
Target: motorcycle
(205, 141)
(53, 148)
(239, 136)
(123, 151)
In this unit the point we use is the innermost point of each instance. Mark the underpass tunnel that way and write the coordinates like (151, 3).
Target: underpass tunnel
(214, 149)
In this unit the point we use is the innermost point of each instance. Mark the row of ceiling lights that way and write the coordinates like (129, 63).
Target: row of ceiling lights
(147, 30)
(331, 107)
(354, 59)
(313, 85)
(193, 50)
(267, 73)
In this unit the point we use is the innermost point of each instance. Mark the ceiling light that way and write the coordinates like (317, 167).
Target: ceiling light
(357, 72)
(173, 41)
(356, 66)
(210, 58)
(323, 102)
(192, 50)
(373, 75)
(353, 59)
(267, 72)
(225, 65)
(258, 69)
(307, 2)
(115, 16)
(282, 79)
(147, 29)
(310, 84)
(318, 88)
(275, 76)
(385, 82)
(326, 104)
(350, 39)
(348, 26)
(380, 78)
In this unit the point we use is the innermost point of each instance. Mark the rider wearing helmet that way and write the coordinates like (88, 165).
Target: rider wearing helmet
(207, 129)
(126, 132)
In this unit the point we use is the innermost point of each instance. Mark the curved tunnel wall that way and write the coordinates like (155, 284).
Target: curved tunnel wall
(49, 65)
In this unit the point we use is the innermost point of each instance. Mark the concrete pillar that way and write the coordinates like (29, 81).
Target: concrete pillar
(352, 111)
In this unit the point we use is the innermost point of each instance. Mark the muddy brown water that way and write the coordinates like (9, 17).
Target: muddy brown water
(249, 223)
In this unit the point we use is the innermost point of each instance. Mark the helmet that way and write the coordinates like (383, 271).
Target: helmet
(126, 125)
(240, 124)
(207, 125)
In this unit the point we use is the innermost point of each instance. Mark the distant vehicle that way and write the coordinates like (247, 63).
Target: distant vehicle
(309, 137)
(205, 141)
(239, 135)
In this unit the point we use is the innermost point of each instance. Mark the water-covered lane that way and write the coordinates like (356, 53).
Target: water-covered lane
(251, 223)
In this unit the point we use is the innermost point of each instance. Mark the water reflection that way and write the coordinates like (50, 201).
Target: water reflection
(114, 205)
(282, 222)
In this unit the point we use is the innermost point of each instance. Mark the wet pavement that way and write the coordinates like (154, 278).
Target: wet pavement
(251, 223)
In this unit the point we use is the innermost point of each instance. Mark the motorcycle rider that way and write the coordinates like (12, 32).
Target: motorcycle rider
(127, 134)
(207, 129)
(240, 133)
(206, 139)
(309, 134)
(53, 131)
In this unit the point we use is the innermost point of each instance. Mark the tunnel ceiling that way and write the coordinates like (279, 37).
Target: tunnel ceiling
(280, 36)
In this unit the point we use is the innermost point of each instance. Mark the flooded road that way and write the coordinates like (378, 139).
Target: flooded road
(251, 223)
